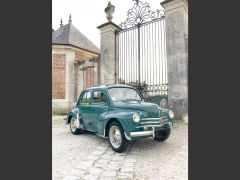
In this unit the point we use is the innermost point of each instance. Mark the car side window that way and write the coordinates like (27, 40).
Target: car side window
(99, 97)
(86, 97)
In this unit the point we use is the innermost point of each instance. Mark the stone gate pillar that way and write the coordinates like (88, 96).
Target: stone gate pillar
(108, 49)
(176, 14)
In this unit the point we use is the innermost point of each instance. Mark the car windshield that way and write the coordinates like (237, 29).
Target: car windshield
(124, 94)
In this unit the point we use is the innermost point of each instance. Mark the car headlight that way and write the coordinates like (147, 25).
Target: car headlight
(171, 114)
(136, 117)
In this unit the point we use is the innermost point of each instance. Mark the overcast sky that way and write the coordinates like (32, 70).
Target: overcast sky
(88, 14)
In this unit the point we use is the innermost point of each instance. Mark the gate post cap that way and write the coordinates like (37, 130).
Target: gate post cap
(174, 4)
(110, 23)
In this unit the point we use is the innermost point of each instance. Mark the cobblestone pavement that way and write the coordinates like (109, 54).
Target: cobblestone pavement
(88, 156)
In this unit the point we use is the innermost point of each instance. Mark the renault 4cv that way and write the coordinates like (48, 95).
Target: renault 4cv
(120, 113)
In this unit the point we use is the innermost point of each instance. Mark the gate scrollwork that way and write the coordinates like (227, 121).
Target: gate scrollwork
(139, 14)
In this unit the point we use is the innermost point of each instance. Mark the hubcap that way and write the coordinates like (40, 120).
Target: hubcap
(74, 124)
(115, 137)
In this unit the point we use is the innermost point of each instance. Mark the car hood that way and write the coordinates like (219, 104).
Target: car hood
(150, 108)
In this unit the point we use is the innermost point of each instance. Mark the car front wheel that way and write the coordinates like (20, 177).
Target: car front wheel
(74, 124)
(162, 135)
(116, 137)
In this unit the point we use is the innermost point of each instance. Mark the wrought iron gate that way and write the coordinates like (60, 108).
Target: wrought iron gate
(141, 52)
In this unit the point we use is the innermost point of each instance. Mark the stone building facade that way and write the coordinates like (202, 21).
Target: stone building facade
(75, 66)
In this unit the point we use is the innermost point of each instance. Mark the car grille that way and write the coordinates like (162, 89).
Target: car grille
(153, 121)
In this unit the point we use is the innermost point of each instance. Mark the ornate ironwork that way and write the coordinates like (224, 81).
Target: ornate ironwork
(139, 14)
(141, 52)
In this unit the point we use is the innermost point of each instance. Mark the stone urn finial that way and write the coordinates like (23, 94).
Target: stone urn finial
(109, 10)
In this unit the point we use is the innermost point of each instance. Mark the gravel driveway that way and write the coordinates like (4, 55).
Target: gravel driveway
(88, 156)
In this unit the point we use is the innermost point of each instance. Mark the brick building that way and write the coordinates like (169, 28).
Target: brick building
(75, 66)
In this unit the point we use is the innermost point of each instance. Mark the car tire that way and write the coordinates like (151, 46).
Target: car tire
(73, 128)
(116, 137)
(162, 135)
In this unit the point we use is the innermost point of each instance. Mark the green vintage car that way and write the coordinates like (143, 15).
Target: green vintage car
(120, 113)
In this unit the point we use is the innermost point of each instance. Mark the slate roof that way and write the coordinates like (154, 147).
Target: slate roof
(70, 35)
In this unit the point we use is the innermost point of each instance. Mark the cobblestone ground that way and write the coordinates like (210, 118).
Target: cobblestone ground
(88, 156)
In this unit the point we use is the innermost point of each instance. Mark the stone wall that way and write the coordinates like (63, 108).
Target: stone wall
(176, 13)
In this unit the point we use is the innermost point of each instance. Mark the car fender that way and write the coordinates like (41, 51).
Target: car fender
(73, 113)
(124, 117)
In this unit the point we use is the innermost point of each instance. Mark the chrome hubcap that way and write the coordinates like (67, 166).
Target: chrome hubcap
(73, 124)
(115, 137)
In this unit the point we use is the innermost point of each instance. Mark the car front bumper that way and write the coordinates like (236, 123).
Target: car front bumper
(150, 133)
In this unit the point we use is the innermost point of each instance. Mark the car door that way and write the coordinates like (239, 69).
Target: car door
(98, 106)
(83, 106)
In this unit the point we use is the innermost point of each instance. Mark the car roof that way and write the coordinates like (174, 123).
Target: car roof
(106, 86)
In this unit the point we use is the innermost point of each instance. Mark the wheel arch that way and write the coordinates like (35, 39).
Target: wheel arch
(69, 117)
(108, 124)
